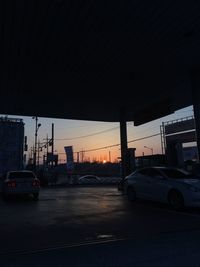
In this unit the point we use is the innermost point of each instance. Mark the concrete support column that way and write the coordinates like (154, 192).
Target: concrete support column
(179, 151)
(197, 125)
(123, 138)
(196, 104)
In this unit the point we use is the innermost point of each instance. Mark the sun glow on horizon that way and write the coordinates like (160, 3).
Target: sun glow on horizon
(95, 141)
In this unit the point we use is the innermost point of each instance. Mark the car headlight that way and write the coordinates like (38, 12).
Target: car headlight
(193, 188)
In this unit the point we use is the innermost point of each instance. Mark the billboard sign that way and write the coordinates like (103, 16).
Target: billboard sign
(180, 126)
(70, 157)
(184, 137)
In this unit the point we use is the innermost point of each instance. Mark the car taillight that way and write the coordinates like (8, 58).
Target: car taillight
(36, 183)
(11, 184)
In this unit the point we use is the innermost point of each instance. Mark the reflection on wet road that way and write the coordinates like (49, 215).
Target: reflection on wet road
(72, 215)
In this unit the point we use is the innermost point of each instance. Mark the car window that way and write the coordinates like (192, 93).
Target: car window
(143, 172)
(20, 175)
(154, 173)
(176, 174)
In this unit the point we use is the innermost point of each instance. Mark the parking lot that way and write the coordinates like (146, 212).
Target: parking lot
(70, 216)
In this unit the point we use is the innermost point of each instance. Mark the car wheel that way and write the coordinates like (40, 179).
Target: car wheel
(131, 195)
(176, 200)
(35, 196)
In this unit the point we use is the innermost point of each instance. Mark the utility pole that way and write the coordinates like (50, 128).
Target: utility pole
(38, 157)
(35, 147)
(109, 156)
(31, 153)
(82, 156)
(124, 147)
(52, 147)
(77, 157)
(47, 144)
(43, 160)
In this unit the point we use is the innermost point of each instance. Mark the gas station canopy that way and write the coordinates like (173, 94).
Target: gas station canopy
(89, 60)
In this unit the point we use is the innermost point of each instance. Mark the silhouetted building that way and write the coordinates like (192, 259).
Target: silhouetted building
(150, 160)
(11, 144)
(175, 134)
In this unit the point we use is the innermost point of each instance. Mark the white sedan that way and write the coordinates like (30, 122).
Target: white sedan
(20, 182)
(169, 185)
(89, 179)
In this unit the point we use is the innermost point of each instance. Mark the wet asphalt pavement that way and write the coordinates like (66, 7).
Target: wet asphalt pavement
(72, 217)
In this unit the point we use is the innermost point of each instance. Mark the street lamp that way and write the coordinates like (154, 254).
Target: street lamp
(150, 149)
(37, 126)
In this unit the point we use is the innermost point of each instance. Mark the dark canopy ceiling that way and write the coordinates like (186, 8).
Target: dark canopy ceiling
(88, 59)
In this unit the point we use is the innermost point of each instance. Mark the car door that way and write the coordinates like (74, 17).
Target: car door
(141, 182)
(157, 185)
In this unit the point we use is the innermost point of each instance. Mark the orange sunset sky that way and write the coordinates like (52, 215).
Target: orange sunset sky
(92, 135)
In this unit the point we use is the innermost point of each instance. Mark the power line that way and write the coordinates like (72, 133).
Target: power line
(142, 138)
(100, 132)
(89, 125)
(105, 147)
(93, 134)
(131, 141)
(88, 135)
(114, 145)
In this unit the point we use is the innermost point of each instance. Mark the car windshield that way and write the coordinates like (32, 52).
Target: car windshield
(177, 174)
(20, 175)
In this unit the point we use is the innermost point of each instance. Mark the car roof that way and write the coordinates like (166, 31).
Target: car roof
(157, 168)
(89, 175)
